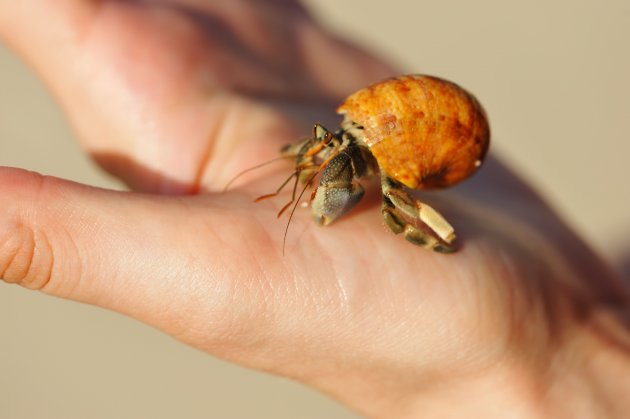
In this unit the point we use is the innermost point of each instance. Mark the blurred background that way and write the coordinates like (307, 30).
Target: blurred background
(555, 80)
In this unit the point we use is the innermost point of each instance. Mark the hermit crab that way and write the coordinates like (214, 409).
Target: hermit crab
(417, 131)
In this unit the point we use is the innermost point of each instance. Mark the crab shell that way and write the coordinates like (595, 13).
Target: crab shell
(424, 132)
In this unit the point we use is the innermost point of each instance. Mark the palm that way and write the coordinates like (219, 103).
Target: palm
(176, 99)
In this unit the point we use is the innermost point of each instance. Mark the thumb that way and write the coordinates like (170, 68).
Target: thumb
(141, 255)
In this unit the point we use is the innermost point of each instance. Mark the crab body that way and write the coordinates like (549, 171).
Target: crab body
(419, 132)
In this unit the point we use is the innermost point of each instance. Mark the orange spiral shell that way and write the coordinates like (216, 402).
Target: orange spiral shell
(424, 132)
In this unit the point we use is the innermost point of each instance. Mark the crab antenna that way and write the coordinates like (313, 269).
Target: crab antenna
(297, 179)
(286, 230)
(258, 166)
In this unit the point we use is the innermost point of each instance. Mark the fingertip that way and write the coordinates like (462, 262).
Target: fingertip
(53, 236)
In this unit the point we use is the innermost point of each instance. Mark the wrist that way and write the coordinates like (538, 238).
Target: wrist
(588, 376)
(591, 375)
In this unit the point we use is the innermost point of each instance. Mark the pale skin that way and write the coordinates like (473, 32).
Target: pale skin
(175, 100)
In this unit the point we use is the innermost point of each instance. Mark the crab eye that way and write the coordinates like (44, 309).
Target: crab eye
(320, 133)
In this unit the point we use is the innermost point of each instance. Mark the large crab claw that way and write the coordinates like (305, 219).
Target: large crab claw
(419, 223)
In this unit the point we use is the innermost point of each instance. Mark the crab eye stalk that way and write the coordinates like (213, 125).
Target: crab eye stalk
(321, 134)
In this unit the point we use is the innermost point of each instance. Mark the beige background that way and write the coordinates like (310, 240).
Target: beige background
(555, 79)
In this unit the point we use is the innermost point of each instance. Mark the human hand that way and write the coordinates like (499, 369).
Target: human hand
(175, 98)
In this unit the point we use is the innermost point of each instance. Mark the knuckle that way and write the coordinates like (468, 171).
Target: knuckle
(26, 257)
